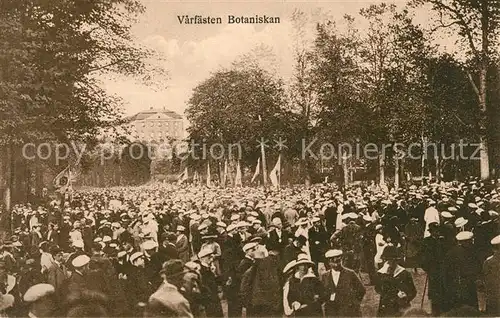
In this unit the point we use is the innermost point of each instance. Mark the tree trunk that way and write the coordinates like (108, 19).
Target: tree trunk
(381, 167)
(438, 169)
(264, 165)
(483, 87)
(396, 173)
(345, 169)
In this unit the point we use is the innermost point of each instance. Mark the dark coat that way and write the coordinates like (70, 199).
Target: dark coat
(349, 293)
(182, 246)
(275, 243)
(306, 291)
(462, 268)
(209, 292)
(388, 286)
(260, 287)
(491, 268)
(432, 262)
(318, 243)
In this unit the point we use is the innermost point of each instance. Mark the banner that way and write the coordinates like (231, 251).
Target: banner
(257, 171)
(275, 173)
(63, 179)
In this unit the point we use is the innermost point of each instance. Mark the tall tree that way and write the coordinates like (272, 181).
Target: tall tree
(476, 23)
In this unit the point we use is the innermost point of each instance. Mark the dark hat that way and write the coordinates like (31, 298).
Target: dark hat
(390, 253)
(172, 267)
(433, 226)
(301, 239)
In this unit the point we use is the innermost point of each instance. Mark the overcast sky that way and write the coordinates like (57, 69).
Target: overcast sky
(194, 51)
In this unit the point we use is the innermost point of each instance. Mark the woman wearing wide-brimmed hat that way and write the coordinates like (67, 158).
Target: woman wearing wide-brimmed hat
(304, 289)
(394, 284)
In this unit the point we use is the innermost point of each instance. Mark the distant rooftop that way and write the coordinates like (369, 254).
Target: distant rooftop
(147, 113)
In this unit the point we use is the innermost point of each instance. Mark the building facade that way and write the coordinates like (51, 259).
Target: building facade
(156, 125)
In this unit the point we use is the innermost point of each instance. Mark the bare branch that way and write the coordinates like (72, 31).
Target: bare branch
(460, 20)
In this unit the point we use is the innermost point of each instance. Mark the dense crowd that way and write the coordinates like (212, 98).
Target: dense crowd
(169, 250)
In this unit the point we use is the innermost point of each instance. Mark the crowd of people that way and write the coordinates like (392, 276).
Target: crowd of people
(164, 250)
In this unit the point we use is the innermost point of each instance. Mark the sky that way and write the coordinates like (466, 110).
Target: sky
(192, 52)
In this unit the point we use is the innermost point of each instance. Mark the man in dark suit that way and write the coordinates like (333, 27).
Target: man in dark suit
(343, 290)
(57, 273)
(168, 250)
(278, 238)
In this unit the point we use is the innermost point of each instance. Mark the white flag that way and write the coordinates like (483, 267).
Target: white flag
(237, 179)
(257, 171)
(209, 181)
(275, 173)
(183, 177)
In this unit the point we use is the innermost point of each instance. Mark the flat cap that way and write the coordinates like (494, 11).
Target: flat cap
(38, 291)
(250, 245)
(149, 245)
(205, 252)
(333, 253)
(464, 235)
(80, 261)
(495, 240)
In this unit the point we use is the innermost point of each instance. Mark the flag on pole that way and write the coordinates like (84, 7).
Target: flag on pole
(195, 177)
(237, 179)
(209, 181)
(183, 177)
(275, 173)
(62, 180)
(257, 171)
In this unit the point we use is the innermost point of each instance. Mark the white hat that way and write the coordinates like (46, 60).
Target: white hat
(38, 291)
(333, 253)
(460, 222)
(315, 219)
(301, 221)
(106, 239)
(80, 261)
(289, 266)
(378, 226)
(180, 228)
(6, 301)
(464, 235)
(149, 245)
(303, 259)
(230, 227)
(242, 224)
(78, 244)
(235, 217)
(97, 240)
(256, 221)
(447, 214)
(221, 224)
(472, 205)
(121, 254)
(367, 218)
(495, 240)
(205, 252)
(250, 245)
(202, 226)
(431, 201)
(135, 256)
(452, 209)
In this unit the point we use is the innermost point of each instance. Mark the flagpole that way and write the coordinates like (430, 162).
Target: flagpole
(263, 155)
